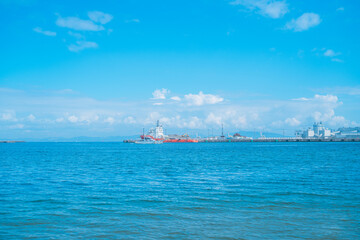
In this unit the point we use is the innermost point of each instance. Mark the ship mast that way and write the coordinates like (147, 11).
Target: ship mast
(222, 130)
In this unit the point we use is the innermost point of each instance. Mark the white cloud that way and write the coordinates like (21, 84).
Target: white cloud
(194, 123)
(158, 104)
(187, 122)
(81, 45)
(100, 17)
(214, 119)
(292, 122)
(275, 9)
(240, 121)
(44, 32)
(8, 116)
(152, 117)
(331, 53)
(84, 118)
(304, 22)
(269, 8)
(318, 108)
(31, 118)
(160, 93)
(176, 98)
(326, 98)
(73, 119)
(322, 108)
(338, 121)
(325, 115)
(59, 114)
(340, 9)
(109, 120)
(78, 24)
(88, 117)
(59, 120)
(301, 99)
(328, 53)
(202, 99)
(129, 120)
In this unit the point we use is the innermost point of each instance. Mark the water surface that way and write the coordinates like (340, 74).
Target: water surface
(180, 191)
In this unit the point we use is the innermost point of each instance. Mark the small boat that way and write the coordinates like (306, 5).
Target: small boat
(148, 141)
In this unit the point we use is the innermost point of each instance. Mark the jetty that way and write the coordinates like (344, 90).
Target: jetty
(280, 140)
(204, 140)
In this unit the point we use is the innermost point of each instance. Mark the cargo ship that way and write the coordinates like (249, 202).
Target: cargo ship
(157, 134)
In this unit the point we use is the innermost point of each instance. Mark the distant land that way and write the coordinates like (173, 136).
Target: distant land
(80, 139)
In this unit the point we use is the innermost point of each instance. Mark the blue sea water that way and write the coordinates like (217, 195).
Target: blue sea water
(180, 191)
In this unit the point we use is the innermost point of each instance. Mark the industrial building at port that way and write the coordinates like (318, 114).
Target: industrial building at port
(319, 131)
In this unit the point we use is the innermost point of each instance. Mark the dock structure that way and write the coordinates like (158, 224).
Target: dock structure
(317, 134)
(204, 140)
(280, 140)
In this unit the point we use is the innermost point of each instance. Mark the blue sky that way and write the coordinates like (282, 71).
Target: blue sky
(107, 68)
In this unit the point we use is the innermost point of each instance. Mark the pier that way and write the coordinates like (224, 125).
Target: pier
(279, 140)
(204, 140)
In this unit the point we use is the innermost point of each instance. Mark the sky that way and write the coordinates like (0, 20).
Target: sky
(111, 67)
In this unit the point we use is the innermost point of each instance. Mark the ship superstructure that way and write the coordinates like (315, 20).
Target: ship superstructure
(157, 134)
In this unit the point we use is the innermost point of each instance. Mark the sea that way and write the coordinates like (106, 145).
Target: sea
(180, 191)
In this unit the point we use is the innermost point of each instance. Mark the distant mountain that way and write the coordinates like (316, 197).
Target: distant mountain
(265, 134)
(82, 139)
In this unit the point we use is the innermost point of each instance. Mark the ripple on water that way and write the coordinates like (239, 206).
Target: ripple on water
(180, 191)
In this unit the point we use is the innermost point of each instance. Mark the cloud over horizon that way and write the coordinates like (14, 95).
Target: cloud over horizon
(202, 99)
(69, 111)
